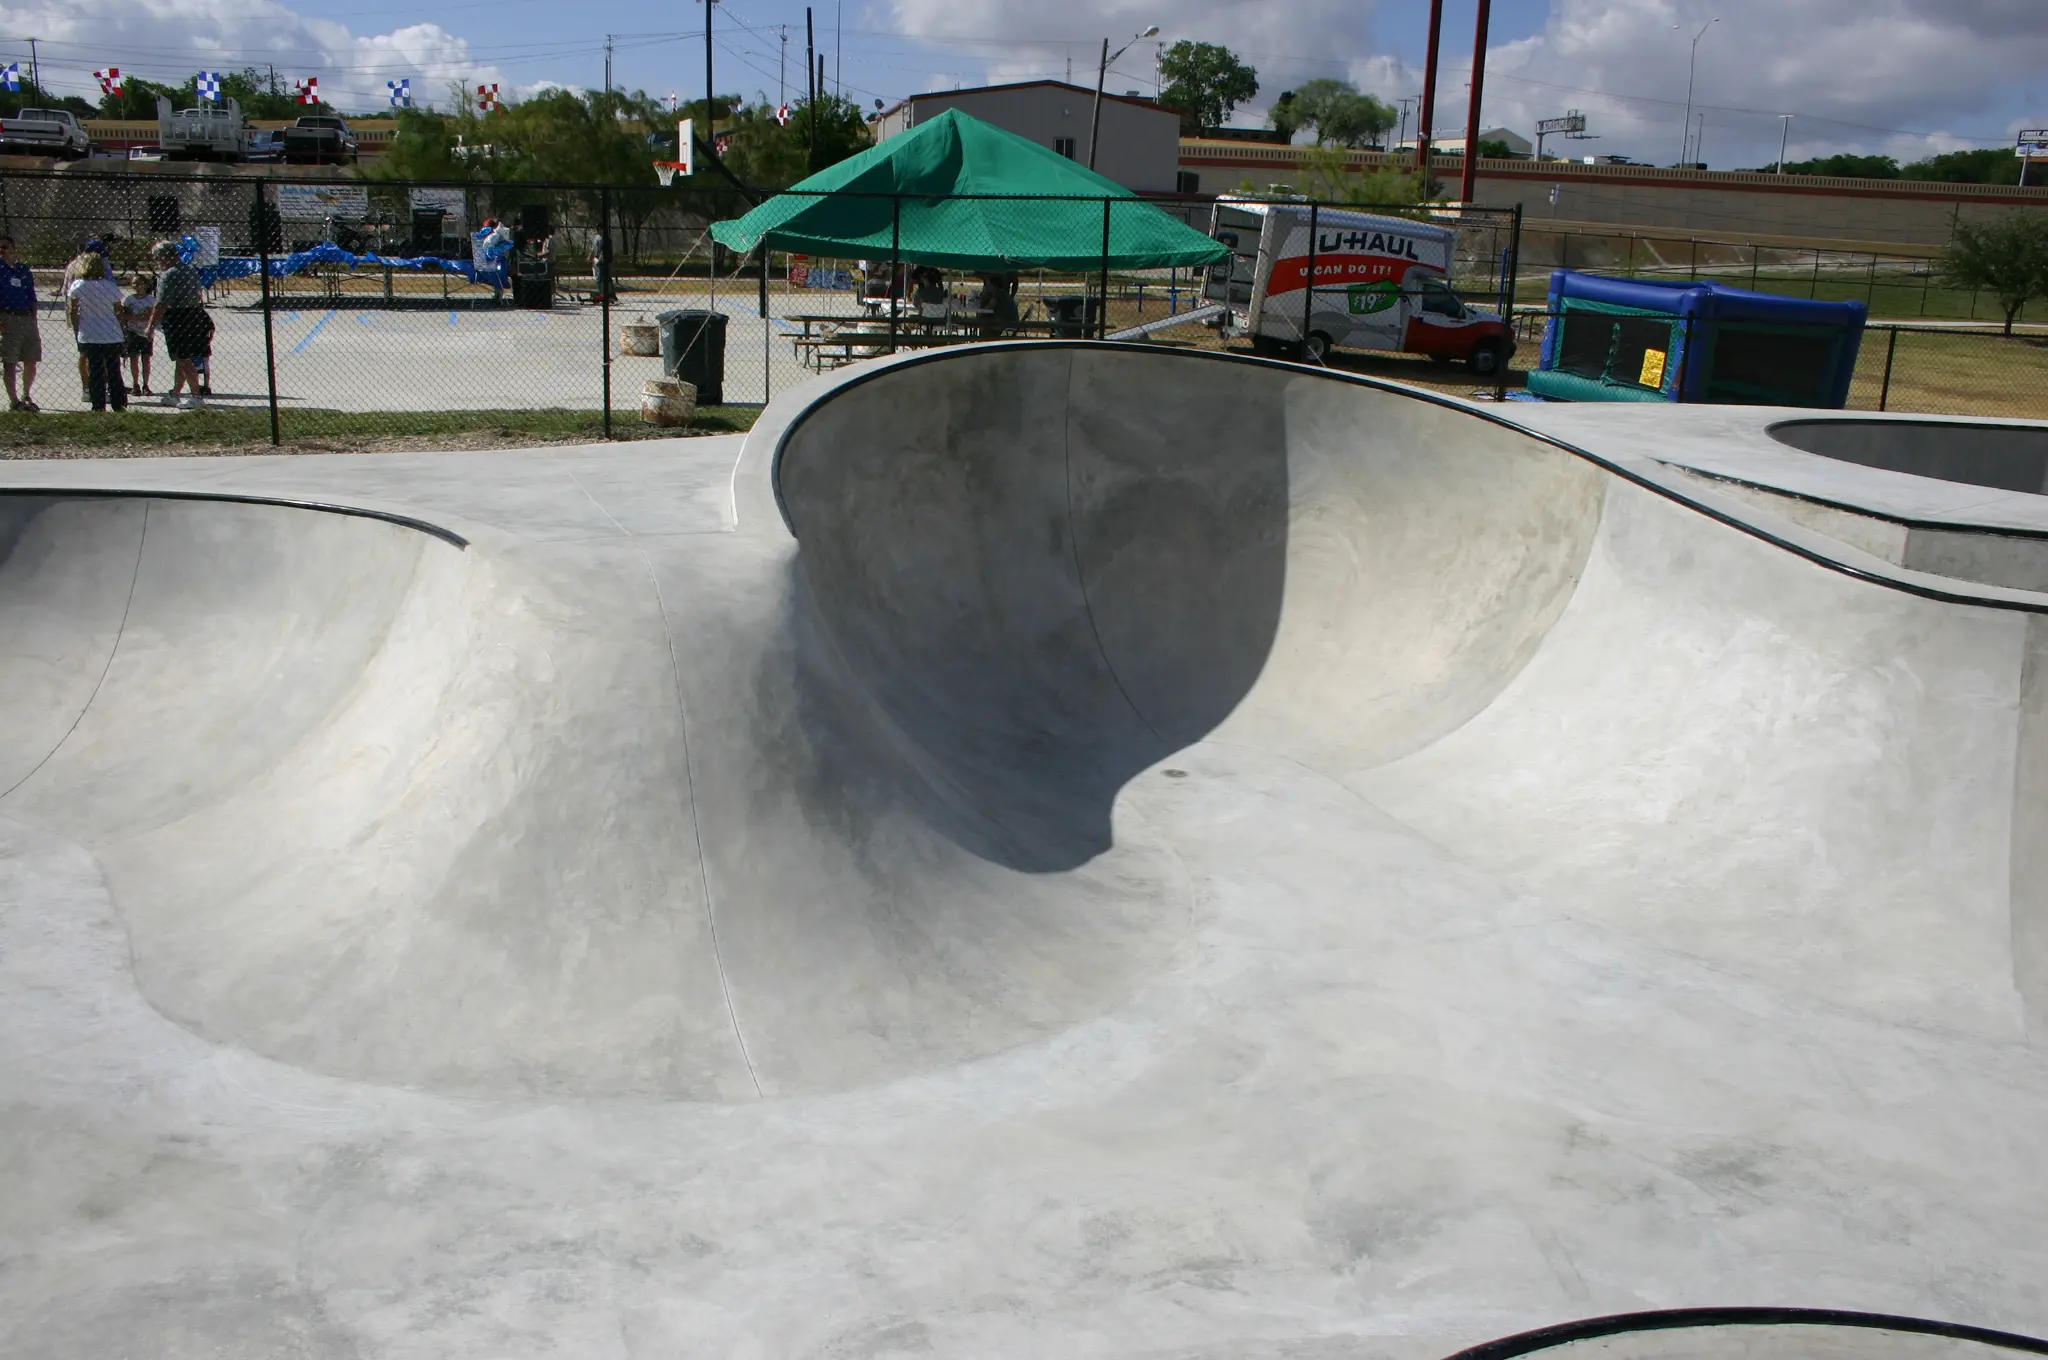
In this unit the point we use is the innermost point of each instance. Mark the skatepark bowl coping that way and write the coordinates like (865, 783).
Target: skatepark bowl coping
(2008, 457)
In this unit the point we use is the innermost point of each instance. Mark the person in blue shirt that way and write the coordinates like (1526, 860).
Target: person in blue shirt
(21, 340)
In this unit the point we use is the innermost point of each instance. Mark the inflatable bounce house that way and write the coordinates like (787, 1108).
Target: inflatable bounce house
(1636, 340)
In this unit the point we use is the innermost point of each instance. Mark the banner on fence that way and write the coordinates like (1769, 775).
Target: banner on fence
(318, 202)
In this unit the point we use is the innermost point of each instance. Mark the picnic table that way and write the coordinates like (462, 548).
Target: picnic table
(834, 341)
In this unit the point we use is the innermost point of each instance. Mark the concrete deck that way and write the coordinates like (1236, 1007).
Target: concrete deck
(1043, 850)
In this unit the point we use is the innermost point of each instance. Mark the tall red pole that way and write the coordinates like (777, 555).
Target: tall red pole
(1472, 114)
(1427, 115)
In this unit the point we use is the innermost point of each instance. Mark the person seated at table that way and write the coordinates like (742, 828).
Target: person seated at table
(997, 304)
(930, 296)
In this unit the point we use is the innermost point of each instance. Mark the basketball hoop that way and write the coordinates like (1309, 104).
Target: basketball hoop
(668, 170)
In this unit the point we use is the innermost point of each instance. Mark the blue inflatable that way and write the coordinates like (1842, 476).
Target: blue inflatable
(1637, 340)
(246, 266)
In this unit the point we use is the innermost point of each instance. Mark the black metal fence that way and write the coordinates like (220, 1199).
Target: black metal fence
(1931, 369)
(1894, 285)
(356, 311)
(361, 309)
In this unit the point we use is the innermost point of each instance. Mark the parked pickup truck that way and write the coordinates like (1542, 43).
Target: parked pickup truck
(44, 132)
(211, 132)
(319, 140)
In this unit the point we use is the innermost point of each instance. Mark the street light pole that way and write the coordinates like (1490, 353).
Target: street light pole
(1685, 129)
(1784, 139)
(1470, 170)
(1102, 74)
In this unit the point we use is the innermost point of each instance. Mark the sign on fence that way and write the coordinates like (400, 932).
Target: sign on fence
(318, 202)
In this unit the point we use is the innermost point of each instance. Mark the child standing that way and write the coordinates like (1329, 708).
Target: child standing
(135, 309)
(93, 307)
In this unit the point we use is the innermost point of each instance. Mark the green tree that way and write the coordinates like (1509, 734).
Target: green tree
(2006, 257)
(772, 155)
(1991, 165)
(1340, 115)
(30, 96)
(1205, 82)
(137, 100)
(1285, 115)
(1328, 176)
(1846, 166)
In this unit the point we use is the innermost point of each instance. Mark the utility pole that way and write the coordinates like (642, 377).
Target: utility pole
(782, 71)
(710, 93)
(607, 64)
(811, 78)
(1471, 173)
(1784, 138)
(1425, 118)
(839, 47)
(35, 72)
(1401, 128)
(1102, 74)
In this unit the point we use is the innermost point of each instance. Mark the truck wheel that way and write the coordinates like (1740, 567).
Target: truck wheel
(1314, 350)
(1485, 359)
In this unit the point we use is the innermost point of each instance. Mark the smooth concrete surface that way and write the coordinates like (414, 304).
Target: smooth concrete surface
(1045, 850)
(2008, 457)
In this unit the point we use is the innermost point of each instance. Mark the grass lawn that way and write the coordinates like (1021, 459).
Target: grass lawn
(142, 433)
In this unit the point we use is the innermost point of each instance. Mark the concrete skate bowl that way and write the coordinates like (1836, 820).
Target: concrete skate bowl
(1759, 1334)
(1048, 568)
(2008, 457)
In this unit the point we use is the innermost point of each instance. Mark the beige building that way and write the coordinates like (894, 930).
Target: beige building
(1140, 139)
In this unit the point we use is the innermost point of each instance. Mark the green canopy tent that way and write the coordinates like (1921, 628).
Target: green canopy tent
(963, 194)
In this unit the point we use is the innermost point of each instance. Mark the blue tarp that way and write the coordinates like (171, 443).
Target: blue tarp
(244, 266)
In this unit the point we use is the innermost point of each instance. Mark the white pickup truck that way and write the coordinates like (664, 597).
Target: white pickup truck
(211, 132)
(44, 132)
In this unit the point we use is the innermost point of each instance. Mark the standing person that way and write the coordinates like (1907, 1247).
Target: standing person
(135, 310)
(73, 272)
(21, 339)
(180, 312)
(93, 307)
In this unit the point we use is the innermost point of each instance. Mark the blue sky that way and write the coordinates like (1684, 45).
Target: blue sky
(1899, 76)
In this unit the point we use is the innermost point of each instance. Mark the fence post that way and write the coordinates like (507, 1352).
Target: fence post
(1308, 286)
(263, 286)
(1891, 349)
(767, 352)
(1813, 284)
(1510, 285)
(1684, 356)
(1693, 274)
(1870, 293)
(1756, 256)
(895, 261)
(1102, 320)
(1926, 280)
(602, 269)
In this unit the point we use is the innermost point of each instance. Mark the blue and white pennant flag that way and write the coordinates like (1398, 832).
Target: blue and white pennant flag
(209, 85)
(10, 77)
(401, 93)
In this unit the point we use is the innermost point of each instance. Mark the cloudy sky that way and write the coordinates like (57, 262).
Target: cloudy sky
(1904, 77)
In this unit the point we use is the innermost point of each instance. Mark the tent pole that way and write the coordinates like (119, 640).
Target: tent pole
(895, 261)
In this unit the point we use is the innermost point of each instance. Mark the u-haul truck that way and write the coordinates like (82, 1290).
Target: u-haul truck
(1381, 283)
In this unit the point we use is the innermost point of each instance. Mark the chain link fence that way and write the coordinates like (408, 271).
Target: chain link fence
(1931, 370)
(349, 312)
(1893, 285)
